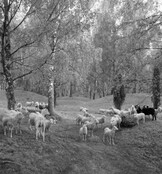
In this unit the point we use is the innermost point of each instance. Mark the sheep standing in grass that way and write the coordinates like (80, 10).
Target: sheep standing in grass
(40, 123)
(140, 116)
(91, 125)
(30, 103)
(79, 119)
(100, 120)
(11, 119)
(109, 133)
(83, 132)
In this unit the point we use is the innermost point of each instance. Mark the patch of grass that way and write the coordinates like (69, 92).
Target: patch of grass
(137, 149)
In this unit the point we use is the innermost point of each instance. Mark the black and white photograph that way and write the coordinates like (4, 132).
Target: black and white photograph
(80, 86)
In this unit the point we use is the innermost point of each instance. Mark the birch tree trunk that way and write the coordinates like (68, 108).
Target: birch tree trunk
(7, 58)
(51, 96)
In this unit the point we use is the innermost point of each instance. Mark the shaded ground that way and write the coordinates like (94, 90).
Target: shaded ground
(137, 150)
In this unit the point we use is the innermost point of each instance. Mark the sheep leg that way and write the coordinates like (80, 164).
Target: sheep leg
(11, 132)
(20, 129)
(43, 134)
(37, 133)
(103, 139)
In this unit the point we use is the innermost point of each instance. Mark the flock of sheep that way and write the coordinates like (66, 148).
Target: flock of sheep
(89, 122)
(12, 119)
(40, 121)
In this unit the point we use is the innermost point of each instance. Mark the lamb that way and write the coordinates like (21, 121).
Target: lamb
(11, 119)
(139, 117)
(115, 121)
(109, 133)
(83, 131)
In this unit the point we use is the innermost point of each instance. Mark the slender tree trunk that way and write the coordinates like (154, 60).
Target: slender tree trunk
(71, 90)
(55, 95)
(156, 87)
(51, 97)
(6, 58)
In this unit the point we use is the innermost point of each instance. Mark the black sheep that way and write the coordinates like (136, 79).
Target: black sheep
(149, 111)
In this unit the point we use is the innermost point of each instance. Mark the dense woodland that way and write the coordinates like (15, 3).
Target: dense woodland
(79, 47)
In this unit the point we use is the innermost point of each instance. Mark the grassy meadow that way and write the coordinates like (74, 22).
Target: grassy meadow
(137, 149)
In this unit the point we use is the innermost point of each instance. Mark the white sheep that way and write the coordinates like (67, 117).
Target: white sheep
(140, 116)
(133, 110)
(116, 111)
(84, 119)
(37, 104)
(11, 119)
(45, 125)
(106, 111)
(91, 125)
(115, 121)
(109, 133)
(83, 131)
(79, 119)
(29, 103)
(40, 123)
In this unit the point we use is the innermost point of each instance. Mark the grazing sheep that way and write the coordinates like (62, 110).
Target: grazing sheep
(30, 103)
(11, 119)
(109, 133)
(83, 132)
(106, 111)
(140, 116)
(115, 121)
(100, 120)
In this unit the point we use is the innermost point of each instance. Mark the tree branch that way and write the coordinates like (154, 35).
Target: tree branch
(31, 71)
(27, 14)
